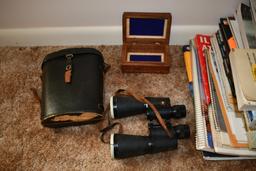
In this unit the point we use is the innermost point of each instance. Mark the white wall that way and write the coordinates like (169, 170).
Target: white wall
(52, 13)
(22, 14)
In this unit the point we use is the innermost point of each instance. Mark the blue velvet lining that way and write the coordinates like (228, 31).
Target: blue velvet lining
(146, 27)
(146, 58)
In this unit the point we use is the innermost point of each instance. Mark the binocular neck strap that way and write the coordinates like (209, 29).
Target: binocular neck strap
(144, 100)
(139, 98)
(109, 126)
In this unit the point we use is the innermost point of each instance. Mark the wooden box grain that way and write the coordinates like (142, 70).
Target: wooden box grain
(146, 44)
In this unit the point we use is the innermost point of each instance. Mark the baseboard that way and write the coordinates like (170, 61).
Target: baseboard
(107, 35)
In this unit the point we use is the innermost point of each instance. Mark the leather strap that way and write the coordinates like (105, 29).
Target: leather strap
(144, 100)
(139, 98)
(109, 127)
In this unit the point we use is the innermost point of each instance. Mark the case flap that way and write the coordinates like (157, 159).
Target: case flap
(146, 27)
(74, 51)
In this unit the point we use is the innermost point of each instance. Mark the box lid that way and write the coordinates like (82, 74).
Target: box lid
(146, 27)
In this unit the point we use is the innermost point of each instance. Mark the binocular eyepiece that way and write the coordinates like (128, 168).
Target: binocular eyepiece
(179, 131)
(124, 106)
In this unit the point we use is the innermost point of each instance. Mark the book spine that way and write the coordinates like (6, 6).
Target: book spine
(203, 42)
(200, 133)
(226, 62)
(212, 91)
(227, 34)
(211, 106)
(228, 97)
(222, 47)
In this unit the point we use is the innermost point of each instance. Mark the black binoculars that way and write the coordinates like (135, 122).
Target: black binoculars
(124, 106)
(123, 145)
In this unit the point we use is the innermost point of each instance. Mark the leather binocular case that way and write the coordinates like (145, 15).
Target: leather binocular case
(72, 87)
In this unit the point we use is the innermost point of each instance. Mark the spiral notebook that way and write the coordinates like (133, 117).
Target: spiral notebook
(202, 138)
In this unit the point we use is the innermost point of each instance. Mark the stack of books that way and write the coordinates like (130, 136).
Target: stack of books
(224, 87)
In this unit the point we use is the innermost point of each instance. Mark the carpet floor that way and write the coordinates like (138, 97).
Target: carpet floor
(26, 145)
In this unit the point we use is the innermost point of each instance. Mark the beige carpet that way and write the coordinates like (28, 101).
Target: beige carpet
(26, 145)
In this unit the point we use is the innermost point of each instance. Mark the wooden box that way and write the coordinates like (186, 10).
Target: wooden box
(146, 42)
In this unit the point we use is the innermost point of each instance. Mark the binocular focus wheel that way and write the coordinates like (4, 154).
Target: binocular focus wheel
(112, 146)
(111, 108)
